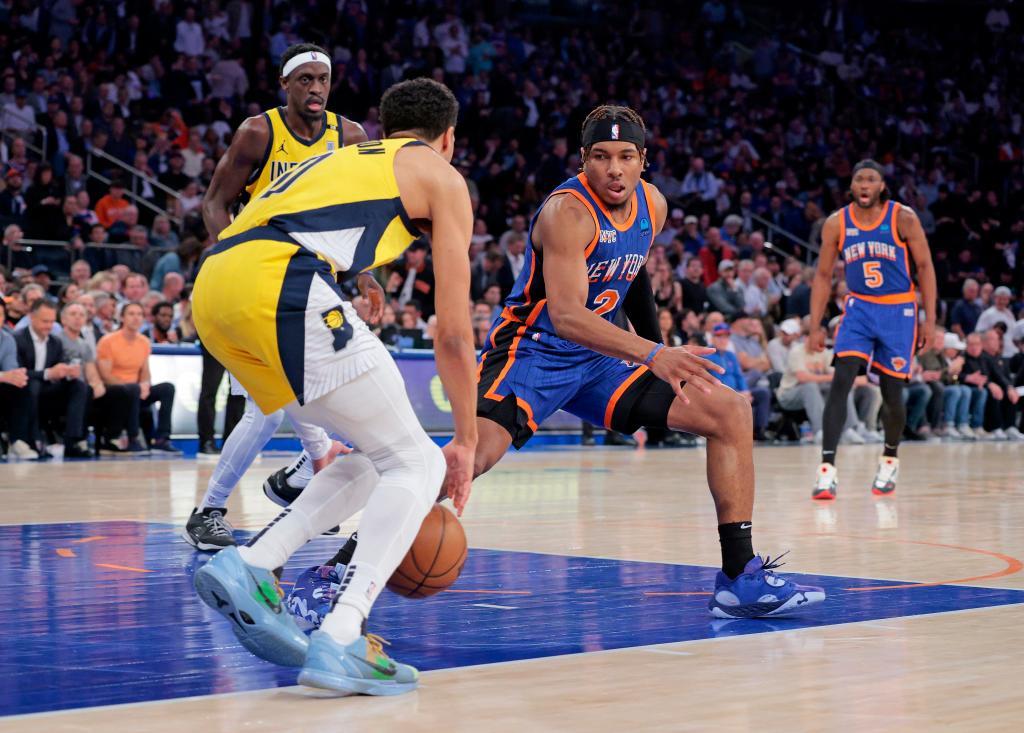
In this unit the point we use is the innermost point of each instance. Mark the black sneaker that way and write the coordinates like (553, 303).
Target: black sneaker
(137, 448)
(108, 447)
(164, 445)
(209, 448)
(612, 437)
(207, 530)
(77, 450)
(278, 490)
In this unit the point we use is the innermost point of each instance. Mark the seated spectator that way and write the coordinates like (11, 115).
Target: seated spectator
(80, 348)
(963, 319)
(174, 284)
(387, 329)
(666, 324)
(693, 240)
(53, 391)
(163, 331)
(758, 298)
(998, 312)
(30, 294)
(123, 361)
(1002, 411)
(750, 345)
(492, 269)
(916, 395)
(162, 236)
(712, 253)
(13, 378)
(760, 397)
(184, 261)
(975, 375)
(956, 397)
(668, 292)
(108, 208)
(805, 383)
(134, 289)
(695, 294)
(935, 376)
(724, 294)
(414, 278)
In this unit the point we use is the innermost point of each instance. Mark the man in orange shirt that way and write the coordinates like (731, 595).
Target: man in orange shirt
(122, 358)
(108, 207)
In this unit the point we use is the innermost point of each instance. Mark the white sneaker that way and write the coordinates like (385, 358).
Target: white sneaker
(998, 434)
(966, 432)
(852, 436)
(952, 433)
(826, 483)
(1014, 434)
(21, 449)
(818, 437)
(885, 479)
(869, 435)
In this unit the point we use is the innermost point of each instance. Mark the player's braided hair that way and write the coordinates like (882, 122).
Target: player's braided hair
(608, 111)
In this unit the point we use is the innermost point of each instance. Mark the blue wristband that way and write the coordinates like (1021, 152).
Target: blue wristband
(654, 352)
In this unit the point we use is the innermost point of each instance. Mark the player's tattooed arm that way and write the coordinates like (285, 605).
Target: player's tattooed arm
(821, 288)
(912, 233)
(244, 155)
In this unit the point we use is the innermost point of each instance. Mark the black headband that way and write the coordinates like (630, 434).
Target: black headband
(613, 129)
(870, 165)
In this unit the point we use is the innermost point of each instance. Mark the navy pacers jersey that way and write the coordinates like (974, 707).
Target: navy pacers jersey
(879, 323)
(614, 258)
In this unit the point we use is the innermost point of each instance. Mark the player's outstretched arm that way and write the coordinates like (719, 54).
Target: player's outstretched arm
(911, 231)
(451, 217)
(243, 155)
(563, 230)
(821, 288)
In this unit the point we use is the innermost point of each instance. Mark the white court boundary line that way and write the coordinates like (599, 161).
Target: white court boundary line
(437, 672)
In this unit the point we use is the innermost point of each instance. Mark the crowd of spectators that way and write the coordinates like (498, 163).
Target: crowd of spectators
(754, 121)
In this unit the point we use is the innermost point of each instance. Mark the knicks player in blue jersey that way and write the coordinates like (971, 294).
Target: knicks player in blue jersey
(877, 239)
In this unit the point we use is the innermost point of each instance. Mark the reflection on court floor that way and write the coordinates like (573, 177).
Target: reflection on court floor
(103, 613)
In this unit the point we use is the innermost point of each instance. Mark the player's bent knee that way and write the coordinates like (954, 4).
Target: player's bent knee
(734, 414)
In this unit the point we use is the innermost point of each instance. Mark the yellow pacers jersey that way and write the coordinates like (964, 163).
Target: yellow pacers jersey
(266, 303)
(285, 149)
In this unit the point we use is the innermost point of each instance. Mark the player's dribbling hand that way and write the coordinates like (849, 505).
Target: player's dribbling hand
(370, 289)
(459, 479)
(677, 364)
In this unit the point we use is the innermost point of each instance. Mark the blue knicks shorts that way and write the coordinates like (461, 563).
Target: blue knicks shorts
(525, 376)
(880, 333)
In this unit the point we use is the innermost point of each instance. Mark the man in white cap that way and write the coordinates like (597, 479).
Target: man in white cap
(999, 312)
(778, 348)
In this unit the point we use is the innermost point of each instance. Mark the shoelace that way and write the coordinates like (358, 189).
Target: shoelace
(770, 565)
(376, 644)
(217, 525)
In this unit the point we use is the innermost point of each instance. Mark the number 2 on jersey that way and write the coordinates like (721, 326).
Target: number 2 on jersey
(873, 274)
(605, 301)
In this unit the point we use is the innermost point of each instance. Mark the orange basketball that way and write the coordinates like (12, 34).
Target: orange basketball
(435, 559)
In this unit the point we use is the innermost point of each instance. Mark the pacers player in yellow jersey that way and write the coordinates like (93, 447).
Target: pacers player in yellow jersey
(267, 305)
(264, 148)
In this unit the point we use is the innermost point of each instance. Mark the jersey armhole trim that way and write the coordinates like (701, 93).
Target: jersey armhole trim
(258, 170)
(895, 227)
(651, 213)
(597, 222)
(842, 229)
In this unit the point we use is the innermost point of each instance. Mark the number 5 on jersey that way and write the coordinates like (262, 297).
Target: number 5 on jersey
(873, 274)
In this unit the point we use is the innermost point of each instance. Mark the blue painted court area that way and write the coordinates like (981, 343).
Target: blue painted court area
(103, 613)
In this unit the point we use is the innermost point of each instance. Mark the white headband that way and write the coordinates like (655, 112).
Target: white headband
(309, 57)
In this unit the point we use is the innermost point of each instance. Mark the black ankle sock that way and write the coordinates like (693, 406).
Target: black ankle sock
(828, 456)
(737, 547)
(344, 555)
(889, 451)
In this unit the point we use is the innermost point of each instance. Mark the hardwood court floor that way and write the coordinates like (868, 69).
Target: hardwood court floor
(587, 589)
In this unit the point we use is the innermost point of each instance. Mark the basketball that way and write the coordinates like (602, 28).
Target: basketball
(435, 559)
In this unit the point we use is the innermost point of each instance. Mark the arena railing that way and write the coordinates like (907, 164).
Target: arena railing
(136, 176)
(28, 245)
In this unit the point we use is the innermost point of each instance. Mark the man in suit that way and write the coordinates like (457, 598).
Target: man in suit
(53, 389)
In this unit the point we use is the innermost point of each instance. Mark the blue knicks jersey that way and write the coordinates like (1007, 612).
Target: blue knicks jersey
(614, 258)
(877, 261)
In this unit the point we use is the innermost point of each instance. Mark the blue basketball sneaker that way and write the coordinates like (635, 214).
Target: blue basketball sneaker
(759, 592)
(250, 599)
(311, 596)
(360, 668)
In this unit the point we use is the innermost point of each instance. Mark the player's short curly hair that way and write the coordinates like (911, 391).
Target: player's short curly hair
(295, 49)
(420, 106)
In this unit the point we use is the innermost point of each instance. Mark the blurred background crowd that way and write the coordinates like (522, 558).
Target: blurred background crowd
(113, 115)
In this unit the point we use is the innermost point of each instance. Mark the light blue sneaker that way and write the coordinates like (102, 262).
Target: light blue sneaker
(250, 599)
(758, 592)
(361, 668)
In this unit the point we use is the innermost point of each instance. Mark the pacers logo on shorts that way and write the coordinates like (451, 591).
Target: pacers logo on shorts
(339, 327)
